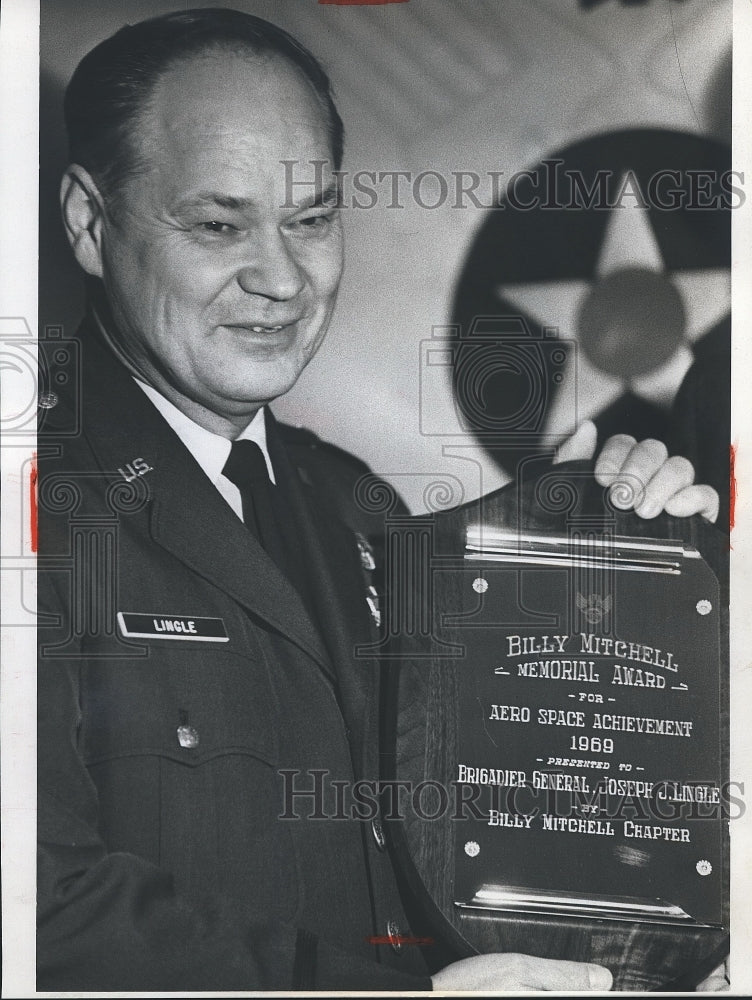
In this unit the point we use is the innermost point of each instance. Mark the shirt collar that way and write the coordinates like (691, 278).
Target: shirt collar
(210, 450)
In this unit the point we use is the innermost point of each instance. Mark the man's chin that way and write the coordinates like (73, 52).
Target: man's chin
(250, 394)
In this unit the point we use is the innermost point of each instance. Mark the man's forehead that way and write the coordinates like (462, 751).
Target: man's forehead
(219, 128)
(216, 88)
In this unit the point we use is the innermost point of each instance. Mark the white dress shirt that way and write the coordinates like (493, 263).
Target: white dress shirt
(210, 450)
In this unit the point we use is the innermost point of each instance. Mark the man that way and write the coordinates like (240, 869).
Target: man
(197, 636)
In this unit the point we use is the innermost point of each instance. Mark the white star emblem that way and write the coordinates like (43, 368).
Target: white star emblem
(634, 323)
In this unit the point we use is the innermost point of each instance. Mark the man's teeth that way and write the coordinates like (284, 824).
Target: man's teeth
(265, 329)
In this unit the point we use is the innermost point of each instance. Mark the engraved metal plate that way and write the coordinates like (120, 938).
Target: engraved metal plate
(588, 728)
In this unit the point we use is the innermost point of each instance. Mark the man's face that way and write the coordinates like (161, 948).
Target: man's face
(220, 294)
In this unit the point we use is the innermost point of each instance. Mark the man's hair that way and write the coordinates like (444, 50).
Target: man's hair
(112, 85)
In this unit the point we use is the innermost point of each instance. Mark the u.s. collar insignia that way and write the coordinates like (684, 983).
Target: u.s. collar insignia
(366, 552)
(135, 468)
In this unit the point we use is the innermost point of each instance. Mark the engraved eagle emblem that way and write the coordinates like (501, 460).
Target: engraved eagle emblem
(594, 607)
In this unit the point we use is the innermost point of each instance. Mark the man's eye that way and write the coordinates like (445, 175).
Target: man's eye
(318, 223)
(217, 227)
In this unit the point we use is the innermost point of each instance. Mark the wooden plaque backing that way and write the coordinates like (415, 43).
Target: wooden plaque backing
(421, 735)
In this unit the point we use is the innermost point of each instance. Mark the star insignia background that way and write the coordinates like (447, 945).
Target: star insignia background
(634, 293)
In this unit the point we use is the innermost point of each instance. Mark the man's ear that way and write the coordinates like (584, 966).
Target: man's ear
(81, 205)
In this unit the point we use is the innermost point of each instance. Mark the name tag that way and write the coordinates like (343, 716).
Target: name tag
(159, 626)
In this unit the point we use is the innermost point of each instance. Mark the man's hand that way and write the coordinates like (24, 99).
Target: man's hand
(716, 982)
(641, 475)
(497, 972)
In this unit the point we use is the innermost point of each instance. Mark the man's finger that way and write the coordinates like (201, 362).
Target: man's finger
(716, 982)
(556, 974)
(613, 455)
(674, 475)
(580, 446)
(643, 461)
(694, 500)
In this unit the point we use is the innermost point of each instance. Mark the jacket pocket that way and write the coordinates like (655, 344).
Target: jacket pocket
(189, 706)
(185, 762)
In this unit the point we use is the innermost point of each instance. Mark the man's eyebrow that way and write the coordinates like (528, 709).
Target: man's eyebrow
(330, 195)
(218, 199)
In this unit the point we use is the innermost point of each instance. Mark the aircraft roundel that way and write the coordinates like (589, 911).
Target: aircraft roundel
(592, 289)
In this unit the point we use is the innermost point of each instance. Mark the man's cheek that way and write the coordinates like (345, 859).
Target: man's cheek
(200, 284)
(326, 268)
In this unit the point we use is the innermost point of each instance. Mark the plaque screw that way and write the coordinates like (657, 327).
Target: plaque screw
(480, 586)
(704, 867)
(704, 607)
(47, 400)
(472, 848)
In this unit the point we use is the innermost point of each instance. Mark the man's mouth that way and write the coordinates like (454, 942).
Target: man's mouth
(260, 328)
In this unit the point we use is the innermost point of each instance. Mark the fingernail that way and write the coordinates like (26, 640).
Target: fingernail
(600, 978)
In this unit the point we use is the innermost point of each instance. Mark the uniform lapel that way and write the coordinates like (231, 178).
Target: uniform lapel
(188, 517)
(331, 552)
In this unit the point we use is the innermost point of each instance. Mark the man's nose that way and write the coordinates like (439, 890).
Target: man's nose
(271, 269)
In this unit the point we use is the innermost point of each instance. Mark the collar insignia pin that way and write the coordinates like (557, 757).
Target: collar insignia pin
(366, 553)
(135, 468)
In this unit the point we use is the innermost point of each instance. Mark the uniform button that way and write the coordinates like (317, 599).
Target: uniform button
(188, 737)
(394, 934)
(378, 834)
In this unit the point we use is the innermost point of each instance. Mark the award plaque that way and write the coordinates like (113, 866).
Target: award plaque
(564, 718)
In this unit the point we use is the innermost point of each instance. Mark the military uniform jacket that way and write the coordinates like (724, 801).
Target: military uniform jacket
(166, 761)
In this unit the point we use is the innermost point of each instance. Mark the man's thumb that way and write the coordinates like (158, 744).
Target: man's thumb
(580, 446)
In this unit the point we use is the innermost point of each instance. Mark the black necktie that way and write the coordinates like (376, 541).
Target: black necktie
(246, 468)
(267, 514)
